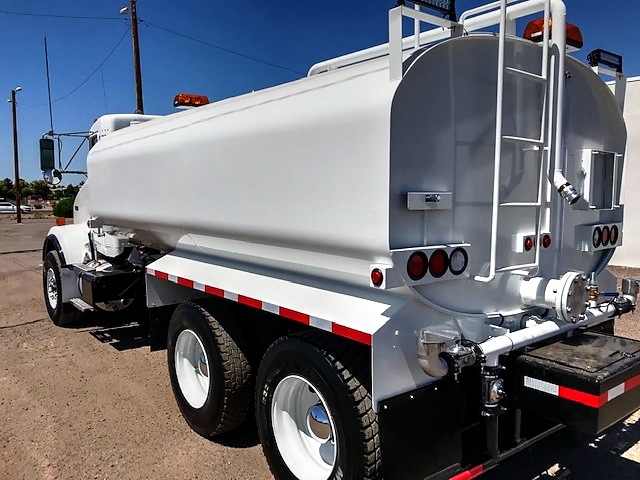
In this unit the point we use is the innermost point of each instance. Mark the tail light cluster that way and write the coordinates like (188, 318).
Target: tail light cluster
(605, 236)
(424, 265)
(527, 242)
(591, 238)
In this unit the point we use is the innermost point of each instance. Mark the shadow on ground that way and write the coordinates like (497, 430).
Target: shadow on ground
(125, 330)
(574, 456)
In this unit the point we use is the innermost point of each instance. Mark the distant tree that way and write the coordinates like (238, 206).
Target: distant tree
(25, 189)
(40, 189)
(71, 191)
(6, 189)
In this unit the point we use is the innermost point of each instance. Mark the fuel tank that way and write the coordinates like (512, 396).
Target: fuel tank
(319, 175)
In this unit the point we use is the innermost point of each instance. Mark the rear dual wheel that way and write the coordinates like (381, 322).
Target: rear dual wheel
(314, 411)
(209, 372)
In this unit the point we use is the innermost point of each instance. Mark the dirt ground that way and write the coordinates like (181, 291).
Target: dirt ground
(91, 402)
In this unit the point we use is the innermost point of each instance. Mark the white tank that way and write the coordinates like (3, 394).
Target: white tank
(314, 175)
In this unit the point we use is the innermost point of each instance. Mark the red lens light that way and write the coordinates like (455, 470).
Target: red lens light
(528, 244)
(439, 263)
(417, 265)
(377, 277)
(605, 236)
(546, 241)
(613, 236)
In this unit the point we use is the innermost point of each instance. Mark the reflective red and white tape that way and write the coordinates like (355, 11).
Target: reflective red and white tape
(304, 318)
(595, 401)
(470, 474)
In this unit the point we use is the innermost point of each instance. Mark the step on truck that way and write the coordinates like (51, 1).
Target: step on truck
(397, 261)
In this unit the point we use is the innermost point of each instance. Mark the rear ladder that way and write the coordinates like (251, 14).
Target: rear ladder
(539, 144)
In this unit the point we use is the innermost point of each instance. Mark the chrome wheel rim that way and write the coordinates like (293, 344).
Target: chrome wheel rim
(52, 289)
(304, 429)
(192, 368)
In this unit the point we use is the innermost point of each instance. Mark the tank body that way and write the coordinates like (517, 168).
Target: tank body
(313, 176)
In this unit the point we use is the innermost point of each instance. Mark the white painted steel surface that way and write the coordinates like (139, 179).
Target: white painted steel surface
(291, 194)
(629, 253)
(362, 309)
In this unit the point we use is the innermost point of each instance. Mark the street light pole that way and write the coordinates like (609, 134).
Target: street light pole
(136, 53)
(15, 153)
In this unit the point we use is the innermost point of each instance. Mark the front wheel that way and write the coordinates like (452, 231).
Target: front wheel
(61, 314)
(314, 411)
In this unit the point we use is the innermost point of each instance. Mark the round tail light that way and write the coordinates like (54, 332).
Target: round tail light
(458, 261)
(605, 236)
(546, 241)
(377, 277)
(439, 263)
(417, 265)
(528, 244)
(613, 235)
(597, 237)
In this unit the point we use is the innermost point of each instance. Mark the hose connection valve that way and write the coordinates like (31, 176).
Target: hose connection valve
(441, 353)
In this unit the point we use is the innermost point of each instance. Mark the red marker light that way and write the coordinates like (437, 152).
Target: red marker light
(528, 244)
(417, 265)
(605, 236)
(377, 277)
(613, 236)
(439, 263)
(546, 241)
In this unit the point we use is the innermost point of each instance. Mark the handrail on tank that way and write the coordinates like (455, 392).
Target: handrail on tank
(519, 8)
(396, 42)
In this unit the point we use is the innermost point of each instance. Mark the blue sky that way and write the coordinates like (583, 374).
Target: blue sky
(291, 35)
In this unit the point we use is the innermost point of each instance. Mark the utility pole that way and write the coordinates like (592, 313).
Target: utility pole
(136, 56)
(15, 153)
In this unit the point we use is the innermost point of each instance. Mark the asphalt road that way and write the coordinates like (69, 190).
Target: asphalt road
(91, 402)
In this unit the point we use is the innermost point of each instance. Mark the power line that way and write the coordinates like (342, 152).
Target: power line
(76, 17)
(221, 48)
(97, 68)
(91, 74)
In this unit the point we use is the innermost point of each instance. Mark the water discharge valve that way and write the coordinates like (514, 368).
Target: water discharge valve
(568, 296)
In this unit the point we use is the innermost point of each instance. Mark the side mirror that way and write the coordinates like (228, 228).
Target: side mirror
(52, 177)
(47, 157)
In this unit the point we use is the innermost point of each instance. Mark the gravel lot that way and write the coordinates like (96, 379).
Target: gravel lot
(92, 402)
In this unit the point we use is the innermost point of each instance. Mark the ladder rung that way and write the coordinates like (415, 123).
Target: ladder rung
(516, 267)
(522, 73)
(520, 204)
(533, 141)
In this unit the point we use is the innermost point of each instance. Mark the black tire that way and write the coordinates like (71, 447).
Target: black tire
(339, 372)
(61, 314)
(230, 379)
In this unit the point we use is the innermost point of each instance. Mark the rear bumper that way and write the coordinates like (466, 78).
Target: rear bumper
(589, 382)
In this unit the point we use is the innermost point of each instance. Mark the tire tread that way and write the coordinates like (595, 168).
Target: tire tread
(352, 367)
(237, 373)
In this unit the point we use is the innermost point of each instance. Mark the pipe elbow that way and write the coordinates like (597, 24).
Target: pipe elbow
(434, 366)
(430, 346)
